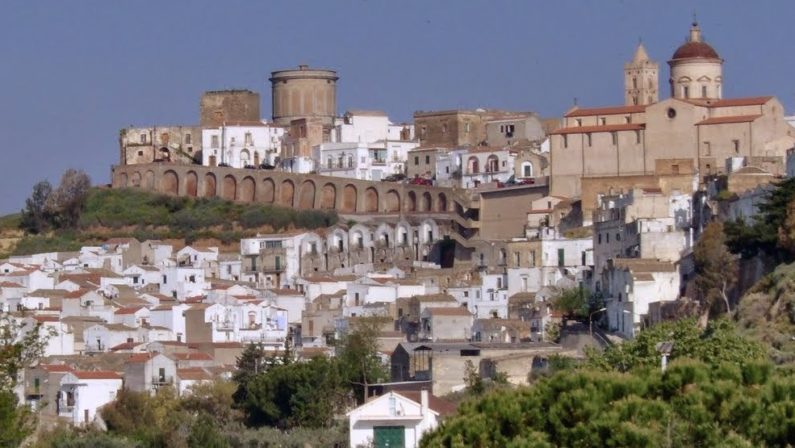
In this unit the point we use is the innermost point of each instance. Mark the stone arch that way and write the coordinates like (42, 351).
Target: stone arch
(210, 185)
(149, 180)
(349, 198)
(169, 183)
(425, 203)
(328, 198)
(370, 200)
(123, 180)
(441, 203)
(492, 164)
(191, 184)
(411, 202)
(268, 191)
(392, 203)
(229, 191)
(287, 193)
(248, 188)
(135, 179)
(306, 196)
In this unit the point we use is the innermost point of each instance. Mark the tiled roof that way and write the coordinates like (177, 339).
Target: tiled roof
(194, 374)
(129, 310)
(638, 265)
(192, 356)
(596, 129)
(56, 367)
(452, 311)
(729, 119)
(611, 110)
(10, 285)
(731, 102)
(96, 375)
(442, 406)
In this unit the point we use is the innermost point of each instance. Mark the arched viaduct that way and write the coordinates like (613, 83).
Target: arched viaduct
(302, 191)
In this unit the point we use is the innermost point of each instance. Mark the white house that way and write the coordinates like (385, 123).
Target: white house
(82, 393)
(484, 164)
(394, 420)
(239, 146)
(180, 282)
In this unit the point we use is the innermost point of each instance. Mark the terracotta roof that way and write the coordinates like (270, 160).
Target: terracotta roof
(695, 50)
(638, 265)
(138, 358)
(595, 129)
(434, 298)
(453, 311)
(441, 406)
(729, 119)
(56, 367)
(194, 374)
(610, 110)
(96, 375)
(129, 310)
(732, 102)
(10, 285)
(40, 318)
(124, 346)
(192, 356)
(286, 292)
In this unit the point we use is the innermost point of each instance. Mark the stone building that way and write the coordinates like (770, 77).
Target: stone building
(641, 79)
(304, 93)
(219, 107)
(180, 144)
(452, 128)
(699, 129)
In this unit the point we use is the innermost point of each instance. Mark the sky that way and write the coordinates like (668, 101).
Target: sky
(72, 74)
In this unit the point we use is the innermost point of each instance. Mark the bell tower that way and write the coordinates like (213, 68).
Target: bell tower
(641, 79)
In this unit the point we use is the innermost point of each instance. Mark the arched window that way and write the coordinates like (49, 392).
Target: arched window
(244, 158)
(473, 166)
(492, 164)
(350, 161)
(527, 169)
(330, 162)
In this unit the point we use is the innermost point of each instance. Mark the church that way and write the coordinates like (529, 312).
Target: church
(694, 132)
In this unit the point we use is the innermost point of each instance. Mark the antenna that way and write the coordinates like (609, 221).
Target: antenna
(695, 18)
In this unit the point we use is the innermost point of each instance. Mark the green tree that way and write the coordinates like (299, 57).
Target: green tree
(298, 394)
(358, 354)
(571, 302)
(204, 434)
(716, 268)
(35, 218)
(472, 379)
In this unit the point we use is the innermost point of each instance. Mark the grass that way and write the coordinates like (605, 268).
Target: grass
(10, 222)
(132, 213)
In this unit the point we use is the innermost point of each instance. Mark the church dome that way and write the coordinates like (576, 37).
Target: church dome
(692, 50)
(695, 47)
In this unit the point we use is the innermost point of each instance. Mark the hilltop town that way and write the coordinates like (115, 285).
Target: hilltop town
(477, 242)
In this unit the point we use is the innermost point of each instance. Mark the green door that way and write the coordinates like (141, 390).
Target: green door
(390, 437)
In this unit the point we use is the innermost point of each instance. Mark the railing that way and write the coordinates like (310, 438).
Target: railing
(162, 380)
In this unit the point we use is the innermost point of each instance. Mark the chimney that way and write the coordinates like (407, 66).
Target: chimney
(424, 402)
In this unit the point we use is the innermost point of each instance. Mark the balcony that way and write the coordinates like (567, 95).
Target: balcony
(159, 381)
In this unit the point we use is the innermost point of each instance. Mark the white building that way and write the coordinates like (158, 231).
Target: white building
(484, 164)
(82, 393)
(240, 146)
(393, 420)
(633, 284)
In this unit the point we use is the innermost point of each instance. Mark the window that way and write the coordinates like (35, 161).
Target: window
(427, 159)
(561, 258)
(637, 137)
(273, 244)
(350, 161)
(517, 259)
(579, 122)
(603, 121)
(416, 160)
(444, 128)
(628, 119)
(614, 136)
(356, 298)
(707, 149)
(599, 239)
(466, 127)
(140, 153)
(143, 138)
(671, 112)
(703, 91)
(736, 144)
(214, 141)
(565, 141)
(187, 139)
(618, 237)
(588, 136)
(634, 82)
(607, 238)
(247, 139)
(330, 163)
(686, 91)
(527, 169)
(423, 131)
(165, 279)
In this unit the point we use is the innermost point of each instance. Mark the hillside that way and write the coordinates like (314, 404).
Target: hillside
(767, 313)
(109, 213)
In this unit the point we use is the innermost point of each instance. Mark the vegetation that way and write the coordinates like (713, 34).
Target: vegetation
(19, 348)
(716, 268)
(718, 391)
(73, 215)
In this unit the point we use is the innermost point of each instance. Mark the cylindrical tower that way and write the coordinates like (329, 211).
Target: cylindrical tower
(696, 69)
(304, 93)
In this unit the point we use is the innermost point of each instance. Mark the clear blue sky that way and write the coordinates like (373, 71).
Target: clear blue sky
(74, 73)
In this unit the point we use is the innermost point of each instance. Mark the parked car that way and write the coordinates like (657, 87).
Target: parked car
(394, 178)
(250, 167)
(223, 165)
(417, 180)
(267, 166)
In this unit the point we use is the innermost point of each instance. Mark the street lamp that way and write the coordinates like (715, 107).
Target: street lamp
(590, 320)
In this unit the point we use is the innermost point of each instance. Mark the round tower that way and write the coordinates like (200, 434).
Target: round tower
(304, 93)
(696, 69)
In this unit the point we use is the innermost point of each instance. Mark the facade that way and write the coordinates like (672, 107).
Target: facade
(641, 79)
(242, 146)
(219, 107)
(82, 393)
(392, 420)
(176, 144)
(482, 165)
